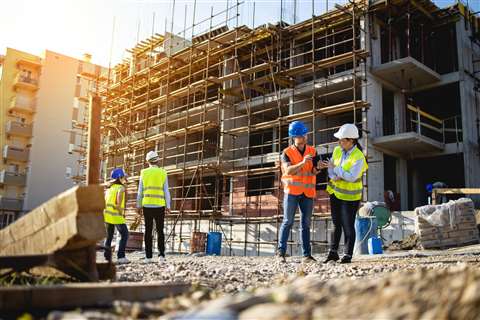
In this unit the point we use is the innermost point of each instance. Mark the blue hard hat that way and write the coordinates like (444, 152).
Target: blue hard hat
(297, 129)
(118, 173)
(429, 187)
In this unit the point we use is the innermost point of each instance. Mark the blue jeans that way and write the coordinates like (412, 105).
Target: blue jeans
(290, 204)
(123, 230)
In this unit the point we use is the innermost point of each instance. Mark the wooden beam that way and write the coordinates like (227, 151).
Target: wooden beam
(422, 9)
(93, 152)
(76, 295)
(436, 192)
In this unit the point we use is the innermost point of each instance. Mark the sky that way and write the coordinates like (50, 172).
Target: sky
(105, 28)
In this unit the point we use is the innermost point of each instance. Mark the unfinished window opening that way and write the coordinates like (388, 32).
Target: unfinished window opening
(421, 172)
(260, 184)
(439, 112)
(197, 195)
(261, 142)
(388, 112)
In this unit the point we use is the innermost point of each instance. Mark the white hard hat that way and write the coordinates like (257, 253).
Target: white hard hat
(347, 131)
(151, 155)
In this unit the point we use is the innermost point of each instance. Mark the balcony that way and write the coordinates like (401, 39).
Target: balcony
(425, 135)
(15, 128)
(22, 105)
(34, 64)
(25, 83)
(12, 204)
(16, 154)
(406, 73)
(90, 71)
(13, 178)
(81, 93)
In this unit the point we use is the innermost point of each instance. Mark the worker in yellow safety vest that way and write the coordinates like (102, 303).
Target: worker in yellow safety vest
(153, 201)
(345, 186)
(299, 170)
(114, 215)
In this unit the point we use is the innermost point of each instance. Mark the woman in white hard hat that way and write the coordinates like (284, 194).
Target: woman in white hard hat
(345, 170)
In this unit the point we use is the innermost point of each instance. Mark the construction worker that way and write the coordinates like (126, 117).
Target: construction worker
(299, 169)
(345, 170)
(153, 201)
(114, 215)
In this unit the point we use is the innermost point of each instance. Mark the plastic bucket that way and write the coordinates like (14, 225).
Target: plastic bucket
(375, 245)
(365, 228)
(214, 243)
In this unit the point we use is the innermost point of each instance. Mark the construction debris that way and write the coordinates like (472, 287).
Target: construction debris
(408, 243)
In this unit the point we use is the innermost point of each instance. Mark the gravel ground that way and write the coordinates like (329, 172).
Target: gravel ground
(258, 287)
(236, 274)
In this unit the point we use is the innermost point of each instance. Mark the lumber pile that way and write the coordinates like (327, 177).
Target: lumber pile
(64, 229)
(446, 225)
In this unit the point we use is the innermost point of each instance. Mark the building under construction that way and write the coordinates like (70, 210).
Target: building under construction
(216, 107)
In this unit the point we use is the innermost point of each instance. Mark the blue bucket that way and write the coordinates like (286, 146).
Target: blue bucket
(214, 243)
(375, 245)
(365, 228)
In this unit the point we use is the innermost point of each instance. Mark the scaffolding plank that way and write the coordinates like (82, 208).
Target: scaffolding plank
(246, 71)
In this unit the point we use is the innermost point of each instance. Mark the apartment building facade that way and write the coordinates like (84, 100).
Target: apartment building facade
(40, 97)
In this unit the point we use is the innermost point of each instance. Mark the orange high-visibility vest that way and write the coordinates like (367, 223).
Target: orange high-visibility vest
(304, 180)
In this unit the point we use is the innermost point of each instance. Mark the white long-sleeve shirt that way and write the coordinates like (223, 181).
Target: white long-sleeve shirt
(351, 175)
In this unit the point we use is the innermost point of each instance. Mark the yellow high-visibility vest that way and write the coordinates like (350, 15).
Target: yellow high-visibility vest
(345, 190)
(153, 179)
(112, 214)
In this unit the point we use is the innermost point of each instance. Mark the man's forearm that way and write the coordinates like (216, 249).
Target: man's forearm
(294, 168)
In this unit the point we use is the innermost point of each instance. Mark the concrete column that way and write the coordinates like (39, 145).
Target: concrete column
(374, 48)
(372, 93)
(400, 112)
(402, 182)
(470, 114)
(417, 186)
(375, 179)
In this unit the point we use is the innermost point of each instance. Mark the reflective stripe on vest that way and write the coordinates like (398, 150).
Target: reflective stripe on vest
(112, 214)
(303, 182)
(345, 190)
(153, 179)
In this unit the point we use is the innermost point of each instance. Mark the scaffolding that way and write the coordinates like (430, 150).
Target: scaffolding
(216, 108)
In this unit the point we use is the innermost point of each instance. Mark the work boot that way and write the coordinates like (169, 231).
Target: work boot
(309, 259)
(281, 256)
(146, 261)
(346, 259)
(123, 260)
(332, 256)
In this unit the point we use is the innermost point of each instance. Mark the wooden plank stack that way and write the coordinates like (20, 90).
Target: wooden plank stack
(65, 229)
(71, 220)
(461, 230)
